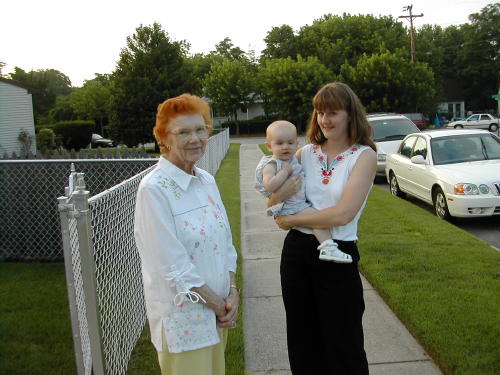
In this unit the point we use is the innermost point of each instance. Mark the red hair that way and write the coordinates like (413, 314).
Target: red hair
(185, 104)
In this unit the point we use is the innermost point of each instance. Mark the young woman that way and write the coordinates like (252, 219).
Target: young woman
(324, 300)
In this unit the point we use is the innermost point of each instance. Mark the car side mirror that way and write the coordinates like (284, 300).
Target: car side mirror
(418, 159)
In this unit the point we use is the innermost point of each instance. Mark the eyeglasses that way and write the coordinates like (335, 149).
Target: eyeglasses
(185, 135)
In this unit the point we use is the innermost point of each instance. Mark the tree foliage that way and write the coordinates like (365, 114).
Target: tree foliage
(389, 82)
(49, 82)
(337, 39)
(281, 42)
(480, 70)
(91, 101)
(151, 68)
(288, 86)
(230, 85)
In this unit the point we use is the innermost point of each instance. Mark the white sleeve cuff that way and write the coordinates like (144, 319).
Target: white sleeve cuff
(274, 210)
(181, 286)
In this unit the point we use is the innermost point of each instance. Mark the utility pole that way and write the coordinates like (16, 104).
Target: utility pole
(411, 17)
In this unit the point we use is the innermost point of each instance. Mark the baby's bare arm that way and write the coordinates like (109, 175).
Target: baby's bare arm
(271, 179)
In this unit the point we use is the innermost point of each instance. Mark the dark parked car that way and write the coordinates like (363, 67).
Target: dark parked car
(100, 141)
(418, 119)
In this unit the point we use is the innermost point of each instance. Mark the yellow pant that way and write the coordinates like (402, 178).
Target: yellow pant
(205, 361)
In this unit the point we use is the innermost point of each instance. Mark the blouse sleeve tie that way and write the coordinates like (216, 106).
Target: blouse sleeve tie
(182, 290)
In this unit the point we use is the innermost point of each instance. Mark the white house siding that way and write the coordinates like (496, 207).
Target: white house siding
(16, 114)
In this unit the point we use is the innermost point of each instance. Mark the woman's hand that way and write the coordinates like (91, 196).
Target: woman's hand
(290, 187)
(229, 319)
(212, 300)
(283, 222)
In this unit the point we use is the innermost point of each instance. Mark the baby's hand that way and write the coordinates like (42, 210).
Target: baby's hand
(287, 167)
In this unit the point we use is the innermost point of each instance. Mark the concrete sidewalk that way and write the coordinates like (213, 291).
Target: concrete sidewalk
(390, 348)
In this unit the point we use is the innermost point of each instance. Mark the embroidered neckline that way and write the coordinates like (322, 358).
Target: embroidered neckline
(326, 172)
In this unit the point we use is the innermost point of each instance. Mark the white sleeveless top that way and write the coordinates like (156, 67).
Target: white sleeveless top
(325, 184)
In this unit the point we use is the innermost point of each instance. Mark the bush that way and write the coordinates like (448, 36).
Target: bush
(46, 141)
(74, 134)
(26, 140)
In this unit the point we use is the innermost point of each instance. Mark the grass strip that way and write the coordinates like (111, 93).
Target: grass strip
(442, 282)
(144, 360)
(35, 327)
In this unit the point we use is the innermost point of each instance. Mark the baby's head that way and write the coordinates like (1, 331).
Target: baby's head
(281, 139)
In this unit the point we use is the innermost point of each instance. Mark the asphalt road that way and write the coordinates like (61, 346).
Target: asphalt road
(485, 228)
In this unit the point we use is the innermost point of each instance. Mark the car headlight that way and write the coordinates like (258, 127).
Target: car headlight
(484, 189)
(381, 157)
(466, 189)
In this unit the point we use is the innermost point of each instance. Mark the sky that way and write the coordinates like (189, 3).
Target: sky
(81, 38)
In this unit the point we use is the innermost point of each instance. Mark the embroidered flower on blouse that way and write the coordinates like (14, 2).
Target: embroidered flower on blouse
(211, 200)
(186, 332)
(170, 185)
(326, 171)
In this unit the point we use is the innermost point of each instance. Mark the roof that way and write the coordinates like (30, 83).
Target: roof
(30, 89)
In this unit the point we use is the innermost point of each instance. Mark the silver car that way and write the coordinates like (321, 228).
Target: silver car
(389, 129)
(477, 121)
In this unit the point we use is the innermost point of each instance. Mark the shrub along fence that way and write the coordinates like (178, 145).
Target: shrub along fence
(94, 153)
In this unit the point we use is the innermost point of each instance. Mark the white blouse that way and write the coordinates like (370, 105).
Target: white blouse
(184, 240)
(325, 184)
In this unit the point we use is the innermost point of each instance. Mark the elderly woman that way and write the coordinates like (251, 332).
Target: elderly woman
(184, 240)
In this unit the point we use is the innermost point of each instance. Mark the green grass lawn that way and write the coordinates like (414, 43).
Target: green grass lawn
(35, 328)
(442, 282)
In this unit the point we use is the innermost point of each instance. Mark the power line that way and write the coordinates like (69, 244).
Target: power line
(411, 17)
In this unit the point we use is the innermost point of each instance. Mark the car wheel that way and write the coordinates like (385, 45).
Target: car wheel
(459, 126)
(440, 205)
(393, 183)
(493, 127)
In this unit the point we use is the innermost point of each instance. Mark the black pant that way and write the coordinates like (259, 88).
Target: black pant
(324, 306)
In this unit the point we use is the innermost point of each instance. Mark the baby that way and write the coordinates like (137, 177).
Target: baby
(271, 173)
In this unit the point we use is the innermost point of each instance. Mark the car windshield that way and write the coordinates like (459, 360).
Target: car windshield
(95, 137)
(392, 129)
(465, 148)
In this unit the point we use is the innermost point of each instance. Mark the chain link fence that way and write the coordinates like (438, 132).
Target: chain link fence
(29, 223)
(103, 267)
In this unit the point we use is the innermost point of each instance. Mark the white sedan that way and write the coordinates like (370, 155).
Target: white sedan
(478, 121)
(457, 171)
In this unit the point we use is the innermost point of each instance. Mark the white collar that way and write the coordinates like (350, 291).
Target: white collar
(180, 177)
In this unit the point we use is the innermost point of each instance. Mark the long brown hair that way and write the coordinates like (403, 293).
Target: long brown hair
(334, 96)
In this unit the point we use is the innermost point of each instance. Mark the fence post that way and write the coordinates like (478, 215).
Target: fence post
(64, 207)
(80, 198)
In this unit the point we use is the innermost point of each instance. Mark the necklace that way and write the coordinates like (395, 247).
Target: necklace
(326, 171)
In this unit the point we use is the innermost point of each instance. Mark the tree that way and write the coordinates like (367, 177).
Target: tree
(389, 82)
(226, 49)
(61, 111)
(2, 65)
(230, 85)
(288, 86)
(49, 82)
(440, 49)
(151, 68)
(480, 71)
(91, 102)
(337, 39)
(280, 43)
